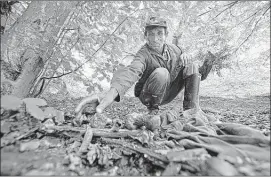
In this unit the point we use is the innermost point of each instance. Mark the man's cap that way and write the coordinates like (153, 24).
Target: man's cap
(156, 21)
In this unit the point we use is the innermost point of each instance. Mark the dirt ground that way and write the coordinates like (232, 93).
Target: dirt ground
(49, 159)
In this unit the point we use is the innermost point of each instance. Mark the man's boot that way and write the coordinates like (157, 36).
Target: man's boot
(191, 92)
(191, 99)
(152, 102)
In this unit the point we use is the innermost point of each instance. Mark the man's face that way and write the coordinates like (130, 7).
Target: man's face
(156, 38)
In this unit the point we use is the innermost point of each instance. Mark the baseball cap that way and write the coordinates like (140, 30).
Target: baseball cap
(156, 21)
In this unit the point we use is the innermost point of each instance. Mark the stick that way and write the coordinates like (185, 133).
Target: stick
(87, 139)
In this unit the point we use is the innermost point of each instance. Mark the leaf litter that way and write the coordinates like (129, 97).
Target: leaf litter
(138, 153)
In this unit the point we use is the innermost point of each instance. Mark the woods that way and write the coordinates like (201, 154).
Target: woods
(62, 40)
(55, 55)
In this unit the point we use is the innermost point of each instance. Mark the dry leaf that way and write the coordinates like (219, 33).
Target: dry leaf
(92, 153)
(49, 112)
(145, 137)
(104, 155)
(10, 102)
(32, 145)
(35, 111)
(60, 117)
(117, 124)
(181, 156)
(35, 101)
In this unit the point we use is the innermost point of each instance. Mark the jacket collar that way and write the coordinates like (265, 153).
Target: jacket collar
(154, 52)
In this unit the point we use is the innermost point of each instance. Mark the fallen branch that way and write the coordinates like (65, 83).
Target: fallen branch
(137, 149)
(96, 132)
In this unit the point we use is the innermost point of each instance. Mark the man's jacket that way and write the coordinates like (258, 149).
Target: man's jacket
(144, 63)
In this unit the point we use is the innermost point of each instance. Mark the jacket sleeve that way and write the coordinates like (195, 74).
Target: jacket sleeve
(125, 77)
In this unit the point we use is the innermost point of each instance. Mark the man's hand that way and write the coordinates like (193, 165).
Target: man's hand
(185, 59)
(107, 100)
(98, 101)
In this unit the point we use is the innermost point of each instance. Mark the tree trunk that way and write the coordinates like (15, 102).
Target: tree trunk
(43, 25)
(25, 82)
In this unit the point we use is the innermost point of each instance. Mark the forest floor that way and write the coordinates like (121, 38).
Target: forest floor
(48, 158)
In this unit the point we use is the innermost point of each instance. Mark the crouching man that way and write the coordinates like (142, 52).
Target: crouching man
(160, 71)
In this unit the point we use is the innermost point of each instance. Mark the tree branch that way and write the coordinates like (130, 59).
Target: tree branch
(213, 9)
(205, 12)
(80, 66)
(61, 60)
(230, 5)
(247, 18)
(252, 31)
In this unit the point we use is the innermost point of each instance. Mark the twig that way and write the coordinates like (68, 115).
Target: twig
(246, 18)
(205, 12)
(213, 9)
(230, 5)
(78, 38)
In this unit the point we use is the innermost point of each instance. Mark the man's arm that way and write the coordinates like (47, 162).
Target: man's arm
(125, 77)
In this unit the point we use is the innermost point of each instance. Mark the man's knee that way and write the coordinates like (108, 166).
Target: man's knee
(161, 74)
(190, 69)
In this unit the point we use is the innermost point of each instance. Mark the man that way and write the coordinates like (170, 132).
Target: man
(161, 71)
